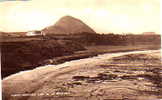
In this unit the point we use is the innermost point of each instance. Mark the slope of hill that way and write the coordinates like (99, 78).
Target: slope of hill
(68, 25)
(23, 55)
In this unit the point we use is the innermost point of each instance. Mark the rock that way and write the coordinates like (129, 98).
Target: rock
(80, 77)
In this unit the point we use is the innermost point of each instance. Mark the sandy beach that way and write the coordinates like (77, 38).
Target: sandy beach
(132, 75)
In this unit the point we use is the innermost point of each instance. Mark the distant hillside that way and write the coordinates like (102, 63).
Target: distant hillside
(149, 33)
(12, 34)
(68, 25)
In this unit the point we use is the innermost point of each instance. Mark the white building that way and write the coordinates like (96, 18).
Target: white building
(34, 33)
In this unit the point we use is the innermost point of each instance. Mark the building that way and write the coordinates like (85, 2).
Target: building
(34, 33)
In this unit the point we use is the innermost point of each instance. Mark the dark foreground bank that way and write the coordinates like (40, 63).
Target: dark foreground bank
(23, 53)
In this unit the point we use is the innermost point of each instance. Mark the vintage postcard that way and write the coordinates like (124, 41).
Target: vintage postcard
(80, 50)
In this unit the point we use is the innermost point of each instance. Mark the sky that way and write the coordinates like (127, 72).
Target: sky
(104, 16)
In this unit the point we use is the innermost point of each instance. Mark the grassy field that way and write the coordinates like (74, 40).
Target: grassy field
(111, 49)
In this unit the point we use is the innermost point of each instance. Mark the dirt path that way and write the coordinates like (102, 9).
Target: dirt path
(20, 86)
